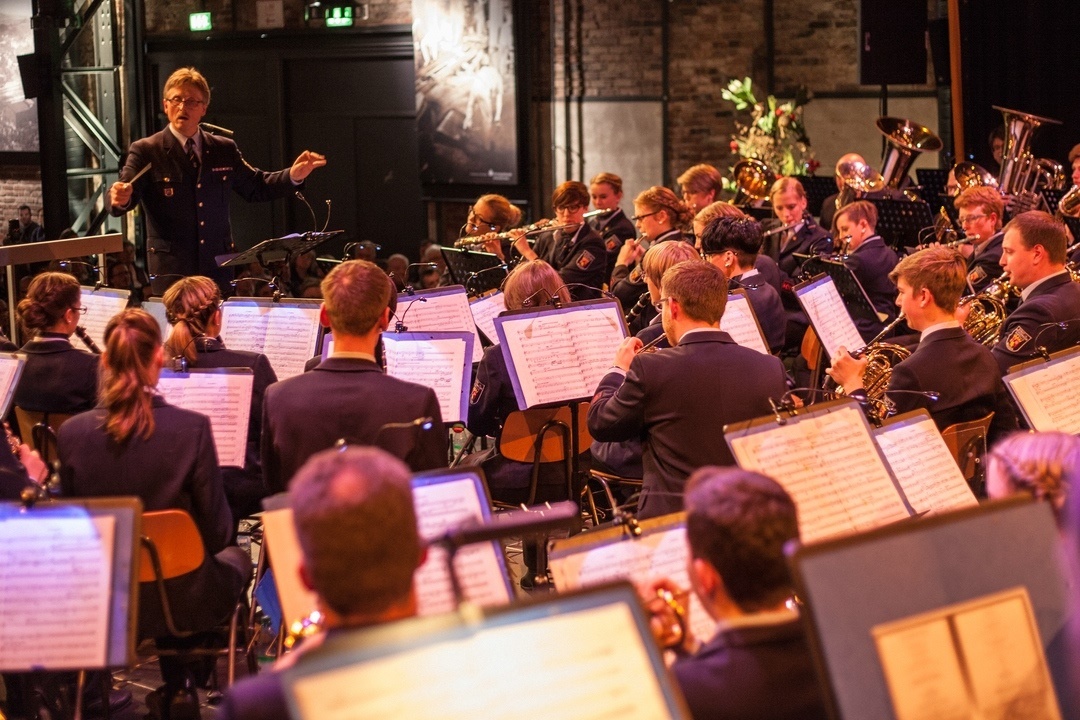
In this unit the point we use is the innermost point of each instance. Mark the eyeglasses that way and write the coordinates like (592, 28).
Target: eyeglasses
(475, 221)
(642, 217)
(970, 219)
(569, 209)
(181, 101)
(81, 309)
(659, 305)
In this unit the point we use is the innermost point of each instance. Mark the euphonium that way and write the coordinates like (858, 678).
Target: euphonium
(905, 139)
(987, 311)
(858, 179)
(969, 175)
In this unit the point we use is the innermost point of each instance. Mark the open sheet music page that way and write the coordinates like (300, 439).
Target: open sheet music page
(100, 306)
(439, 310)
(830, 466)
(224, 397)
(286, 332)
(923, 465)
(976, 659)
(440, 505)
(297, 601)
(441, 361)
(560, 354)
(484, 311)
(1048, 393)
(11, 366)
(741, 324)
(828, 315)
(55, 590)
(581, 665)
(156, 307)
(611, 554)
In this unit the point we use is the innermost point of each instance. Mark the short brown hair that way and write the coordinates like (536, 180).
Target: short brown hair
(715, 210)
(188, 76)
(1036, 227)
(702, 178)
(569, 194)
(662, 256)
(941, 270)
(532, 284)
(1074, 153)
(988, 198)
(786, 184)
(700, 288)
(608, 179)
(355, 293)
(856, 211)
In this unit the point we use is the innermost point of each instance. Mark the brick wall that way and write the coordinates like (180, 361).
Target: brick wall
(19, 185)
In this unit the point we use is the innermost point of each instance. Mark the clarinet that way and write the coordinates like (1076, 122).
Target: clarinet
(639, 306)
(87, 340)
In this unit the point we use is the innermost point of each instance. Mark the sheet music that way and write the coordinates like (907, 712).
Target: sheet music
(297, 601)
(224, 397)
(560, 355)
(55, 580)
(923, 465)
(738, 321)
(579, 665)
(446, 309)
(437, 361)
(1048, 394)
(440, 506)
(11, 365)
(977, 659)
(484, 311)
(101, 306)
(830, 466)
(657, 553)
(286, 333)
(829, 316)
(156, 307)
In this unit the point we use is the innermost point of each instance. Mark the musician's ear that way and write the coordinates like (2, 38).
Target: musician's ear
(324, 319)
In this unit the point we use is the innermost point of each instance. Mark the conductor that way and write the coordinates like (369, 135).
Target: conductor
(184, 189)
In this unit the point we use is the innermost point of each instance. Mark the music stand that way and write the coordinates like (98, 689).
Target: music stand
(850, 289)
(1053, 197)
(817, 188)
(477, 271)
(932, 179)
(277, 251)
(900, 221)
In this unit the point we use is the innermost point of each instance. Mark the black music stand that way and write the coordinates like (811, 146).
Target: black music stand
(1053, 197)
(932, 179)
(276, 253)
(477, 271)
(851, 290)
(817, 188)
(900, 221)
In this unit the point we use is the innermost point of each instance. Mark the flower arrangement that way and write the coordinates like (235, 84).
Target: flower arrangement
(775, 134)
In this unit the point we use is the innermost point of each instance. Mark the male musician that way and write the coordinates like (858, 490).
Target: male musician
(870, 261)
(614, 228)
(347, 396)
(184, 192)
(758, 664)
(1033, 253)
(732, 244)
(575, 250)
(678, 400)
(947, 361)
(828, 206)
(1074, 164)
(803, 236)
(356, 526)
(980, 211)
(700, 185)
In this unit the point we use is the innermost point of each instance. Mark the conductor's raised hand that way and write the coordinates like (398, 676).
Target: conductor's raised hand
(120, 194)
(305, 163)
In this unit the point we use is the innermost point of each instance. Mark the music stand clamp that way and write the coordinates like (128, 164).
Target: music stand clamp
(274, 253)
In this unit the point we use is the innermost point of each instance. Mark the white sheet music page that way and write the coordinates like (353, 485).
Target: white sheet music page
(287, 334)
(9, 366)
(55, 581)
(101, 306)
(156, 307)
(829, 316)
(440, 506)
(738, 322)
(224, 397)
(1049, 394)
(439, 310)
(923, 465)
(561, 355)
(297, 601)
(830, 466)
(580, 665)
(484, 311)
(436, 362)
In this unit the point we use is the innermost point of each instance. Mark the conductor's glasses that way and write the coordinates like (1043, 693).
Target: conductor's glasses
(185, 101)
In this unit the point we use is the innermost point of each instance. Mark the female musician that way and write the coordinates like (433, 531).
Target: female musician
(490, 215)
(802, 237)
(700, 185)
(193, 307)
(57, 378)
(1045, 465)
(614, 228)
(135, 443)
(659, 217)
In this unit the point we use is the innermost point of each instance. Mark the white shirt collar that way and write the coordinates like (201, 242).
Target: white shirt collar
(938, 326)
(197, 137)
(1030, 288)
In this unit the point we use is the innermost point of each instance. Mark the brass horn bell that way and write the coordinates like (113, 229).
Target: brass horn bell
(752, 178)
(906, 140)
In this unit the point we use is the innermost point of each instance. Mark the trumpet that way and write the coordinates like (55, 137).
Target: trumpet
(479, 240)
(653, 345)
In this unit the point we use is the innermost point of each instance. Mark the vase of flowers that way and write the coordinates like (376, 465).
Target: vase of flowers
(775, 134)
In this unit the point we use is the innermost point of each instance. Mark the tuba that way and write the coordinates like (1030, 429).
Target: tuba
(906, 140)
(752, 179)
(987, 310)
(1022, 176)
(859, 179)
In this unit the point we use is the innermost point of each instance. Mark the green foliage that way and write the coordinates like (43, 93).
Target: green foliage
(775, 133)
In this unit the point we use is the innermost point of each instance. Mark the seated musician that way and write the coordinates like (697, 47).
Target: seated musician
(947, 361)
(732, 244)
(678, 400)
(980, 210)
(357, 530)
(347, 396)
(193, 307)
(1045, 465)
(831, 204)
(574, 249)
(1074, 164)
(758, 664)
(870, 261)
(490, 215)
(1033, 253)
(19, 469)
(701, 185)
(764, 264)
(803, 236)
(615, 228)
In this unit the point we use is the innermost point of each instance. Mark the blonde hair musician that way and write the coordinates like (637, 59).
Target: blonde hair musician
(1045, 465)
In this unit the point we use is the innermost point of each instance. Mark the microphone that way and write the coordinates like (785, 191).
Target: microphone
(473, 275)
(314, 221)
(598, 213)
(528, 522)
(399, 324)
(216, 130)
(97, 270)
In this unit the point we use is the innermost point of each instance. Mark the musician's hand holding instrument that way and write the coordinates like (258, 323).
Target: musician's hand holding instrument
(521, 243)
(847, 370)
(669, 609)
(628, 348)
(631, 251)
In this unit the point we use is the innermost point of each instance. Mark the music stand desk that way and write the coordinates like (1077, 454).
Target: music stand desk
(281, 249)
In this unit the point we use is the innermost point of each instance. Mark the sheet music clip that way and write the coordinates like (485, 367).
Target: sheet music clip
(33, 494)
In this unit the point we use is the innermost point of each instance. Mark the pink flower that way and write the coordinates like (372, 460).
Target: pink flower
(779, 112)
(734, 146)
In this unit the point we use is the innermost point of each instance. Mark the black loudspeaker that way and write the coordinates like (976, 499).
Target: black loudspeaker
(30, 73)
(892, 42)
(939, 51)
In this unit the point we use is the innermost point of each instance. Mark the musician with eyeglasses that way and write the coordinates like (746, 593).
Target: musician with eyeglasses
(491, 215)
(184, 191)
(980, 212)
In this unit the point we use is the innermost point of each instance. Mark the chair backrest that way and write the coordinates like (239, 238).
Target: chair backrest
(176, 539)
(967, 443)
(38, 430)
(518, 438)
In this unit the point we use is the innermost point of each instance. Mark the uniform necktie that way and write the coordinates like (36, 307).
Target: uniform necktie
(193, 157)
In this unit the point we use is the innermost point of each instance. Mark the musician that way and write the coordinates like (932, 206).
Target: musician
(1045, 465)
(574, 249)
(732, 244)
(57, 377)
(357, 530)
(947, 360)
(803, 236)
(193, 307)
(135, 443)
(700, 185)
(758, 664)
(490, 215)
(678, 399)
(1033, 253)
(20, 468)
(828, 206)
(764, 264)
(614, 228)
(347, 396)
(185, 193)
(980, 211)
(870, 261)
(1074, 163)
